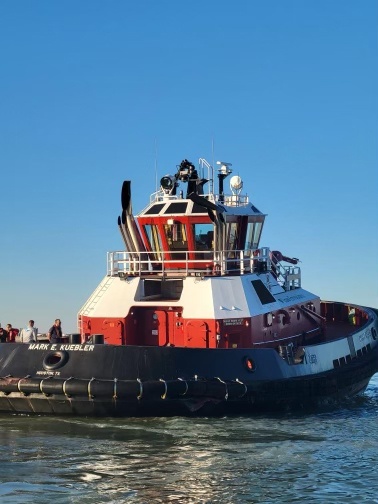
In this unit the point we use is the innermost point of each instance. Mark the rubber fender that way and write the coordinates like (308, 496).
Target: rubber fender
(55, 360)
(76, 387)
(30, 385)
(152, 389)
(52, 386)
(175, 388)
(103, 388)
(9, 384)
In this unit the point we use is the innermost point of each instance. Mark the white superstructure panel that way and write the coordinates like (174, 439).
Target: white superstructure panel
(197, 298)
(229, 298)
(113, 300)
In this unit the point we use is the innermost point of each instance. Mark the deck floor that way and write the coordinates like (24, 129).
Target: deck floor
(336, 330)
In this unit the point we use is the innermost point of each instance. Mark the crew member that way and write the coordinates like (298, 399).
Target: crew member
(12, 333)
(29, 333)
(55, 332)
(3, 335)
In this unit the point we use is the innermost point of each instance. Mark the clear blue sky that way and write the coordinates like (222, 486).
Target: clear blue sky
(286, 90)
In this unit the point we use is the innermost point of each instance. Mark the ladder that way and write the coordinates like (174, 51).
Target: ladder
(96, 296)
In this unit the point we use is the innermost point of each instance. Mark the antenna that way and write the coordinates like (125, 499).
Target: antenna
(212, 149)
(224, 171)
(156, 175)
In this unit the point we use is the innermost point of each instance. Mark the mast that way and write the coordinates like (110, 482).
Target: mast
(224, 171)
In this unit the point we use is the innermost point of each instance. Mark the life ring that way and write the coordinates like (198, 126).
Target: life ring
(55, 360)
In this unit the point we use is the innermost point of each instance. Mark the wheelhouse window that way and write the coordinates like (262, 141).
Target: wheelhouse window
(176, 207)
(203, 236)
(153, 237)
(253, 237)
(177, 239)
(232, 238)
(155, 209)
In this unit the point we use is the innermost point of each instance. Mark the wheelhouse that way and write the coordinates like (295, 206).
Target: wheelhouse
(202, 230)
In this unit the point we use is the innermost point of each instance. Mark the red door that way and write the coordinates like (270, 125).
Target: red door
(151, 326)
(197, 334)
(113, 331)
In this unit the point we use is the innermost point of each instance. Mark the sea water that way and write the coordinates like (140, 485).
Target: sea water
(326, 457)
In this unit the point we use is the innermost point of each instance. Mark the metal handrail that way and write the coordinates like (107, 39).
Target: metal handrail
(184, 263)
(233, 200)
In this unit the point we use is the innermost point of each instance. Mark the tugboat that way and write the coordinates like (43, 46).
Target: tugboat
(195, 317)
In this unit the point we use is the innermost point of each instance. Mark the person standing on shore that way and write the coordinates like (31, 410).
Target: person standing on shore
(29, 334)
(55, 332)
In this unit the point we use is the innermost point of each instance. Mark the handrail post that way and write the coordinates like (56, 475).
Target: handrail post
(241, 262)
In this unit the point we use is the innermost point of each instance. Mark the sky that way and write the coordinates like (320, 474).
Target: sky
(93, 93)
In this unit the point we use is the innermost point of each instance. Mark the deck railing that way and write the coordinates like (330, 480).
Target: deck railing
(202, 263)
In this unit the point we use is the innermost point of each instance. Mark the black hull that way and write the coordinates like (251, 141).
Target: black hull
(104, 380)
